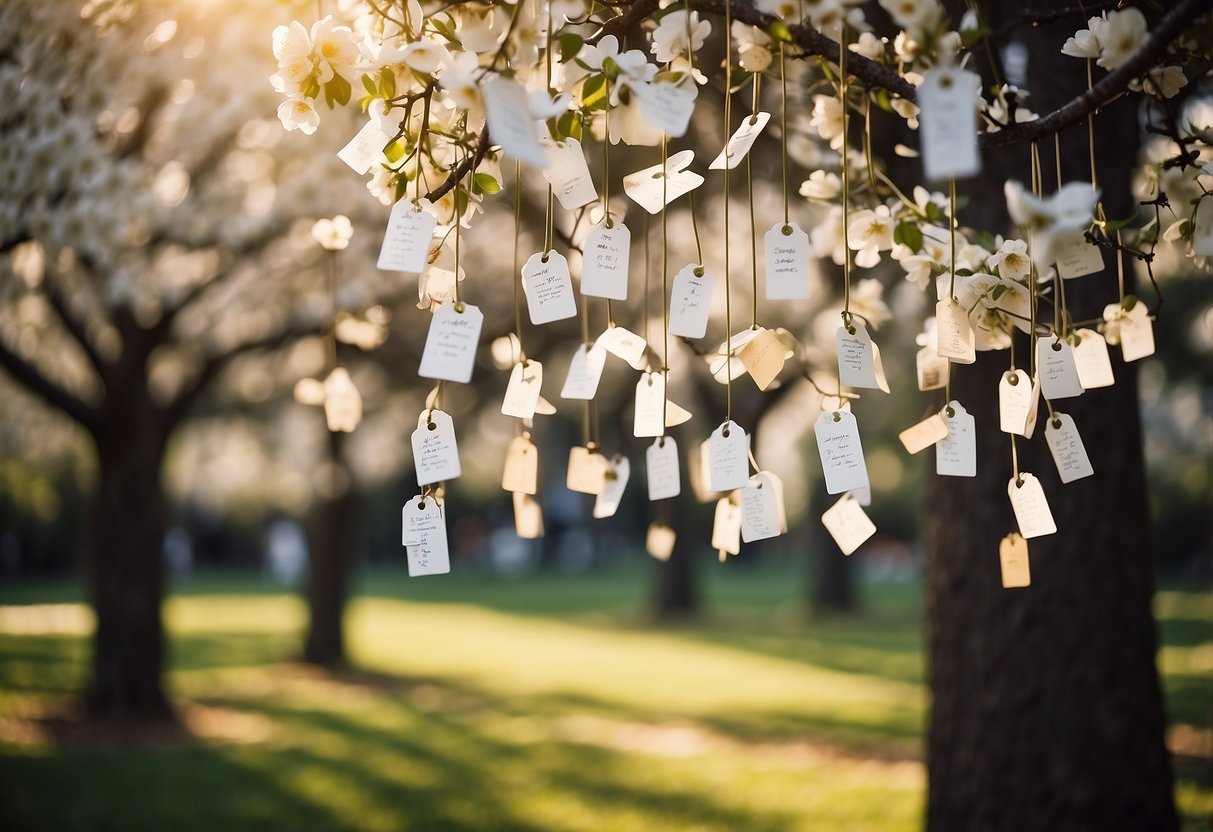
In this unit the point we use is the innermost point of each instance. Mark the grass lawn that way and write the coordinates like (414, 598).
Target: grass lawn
(543, 703)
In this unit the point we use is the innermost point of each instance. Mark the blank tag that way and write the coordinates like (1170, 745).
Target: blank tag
(760, 510)
(728, 457)
(548, 288)
(342, 402)
(1013, 556)
(568, 173)
(1030, 507)
(645, 188)
(585, 371)
(1055, 369)
(450, 345)
(1202, 229)
(659, 542)
(675, 414)
(1067, 449)
(406, 242)
(365, 148)
(954, 332)
(661, 462)
(947, 124)
(508, 109)
(956, 453)
(741, 142)
(522, 393)
(924, 434)
(691, 302)
(932, 370)
(763, 358)
(667, 106)
(859, 362)
(649, 419)
(587, 471)
(521, 473)
(841, 452)
(435, 454)
(1079, 258)
(787, 262)
(1017, 396)
(604, 268)
(614, 482)
(424, 537)
(1137, 333)
(726, 526)
(1091, 360)
(848, 524)
(528, 516)
(624, 344)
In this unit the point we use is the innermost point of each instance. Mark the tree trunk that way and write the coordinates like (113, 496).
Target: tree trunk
(329, 561)
(676, 592)
(832, 586)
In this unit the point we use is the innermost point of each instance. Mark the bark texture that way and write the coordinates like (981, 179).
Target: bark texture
(329, 560)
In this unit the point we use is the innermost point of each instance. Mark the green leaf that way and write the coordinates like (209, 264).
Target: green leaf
(387, 82)
(882, 99)
(401, 187)
(1112, 225)
(593, 92)
(337, 92)
(908, 234)
(570, 45)
(484, 183)
(986, 240)
(369, 85)
(1128, 303)
(968, 37)
(564, 125)
(394, 152)
(780, 31)
(997, 292)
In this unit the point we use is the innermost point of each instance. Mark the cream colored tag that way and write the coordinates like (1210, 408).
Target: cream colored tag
(956, 453)
(1091, 360)
(450, 345)
(691, 302)
(725, 364)
(568, 173)
(924, 434)
(625, 344)
(841, 452)
(544, 408)
(1069, 454)
(859, 363)
(697, 474)
(675, 414)
(365, 149)
(585, 371)
(1017, 396)
(528, 516)
(508, 109)
(615, 480)
(763, 358)
(661, 461)
(667, 105)
(548, 288)
(1202, 228)
(728, 457)
(1055, 369)
(659, 542)
(645, 187)
(848, 524)
(650, 405)
(954, 332)
(604, 268)
(760, 509)
(947, 124)
(435, 454)
(522, 393)
(587, 470)
(741, 142)
(787, 262)
(1137, 333)
(342, 402)
(1013, 556)
(932, 370)
(521, 472)
(406, 243)
(726, 527)
(1079, 258)
(1030, 507)
(424, 537)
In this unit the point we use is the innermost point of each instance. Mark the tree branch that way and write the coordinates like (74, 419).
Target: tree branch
(622, 24)
(30, 377)
(74, 327)
(463, 168)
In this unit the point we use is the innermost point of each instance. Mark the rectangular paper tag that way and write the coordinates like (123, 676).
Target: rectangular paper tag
(956, 453)
(1092, 361)
(548, 288)
(646, 189)
(615, 480)
(424, 537)
(365, 149)
(1079, 258)
(661, 461)
(450, 345)
(522, 393)
(947, 124)
(728, 457)
(691, 302)
(741, 142)
(435, 454)
(604, 269)
(859, 363)
(726, 526)
(924, 434)
(841, 452)
(659, 542)
(406, 242)
(1030, 506)
(587, 471)
(508, 109)
(954, 332)
(585, 371)
(763, 358)
(521, 470)
(1055, 369)
(787, 261)
(848, 524)
(1013, 558)
(567, 172)
(1069, 454)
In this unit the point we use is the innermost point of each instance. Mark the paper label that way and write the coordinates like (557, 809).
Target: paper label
(932, 370)
(1030, 506)
(450, 345)
(787, 262)
(406, 242)
(649, 418)
(365, 149)
(585, 371)
(947, 124)
(760, 509)
(1055, 369)
(624, 344)
(924, 434)
(508, 109)
(1092, 361)
(646, 189)
(1013, 557)
(691, 302)
(728, 457)
(1137, 332)
(342, 402)
(1202, 229)
(1017, 395)
(1079, 258)
(548, 288)
(859, 363)
(587, 470)
(954, 332)
(618, 471)
(521, 472)
(661, 462)
(841, 452)
(435, 454)
(528, 516)
(763, 358)
(604, 269)
(1067, 449)
(522, 393)
(667, 106)
(956, 453)
(726, 526)
(424, 537)
(848, 524)
(675, 415)
(741, 142)
(659, 542)
(567, 172)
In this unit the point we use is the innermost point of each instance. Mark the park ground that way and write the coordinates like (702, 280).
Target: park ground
(547, 702)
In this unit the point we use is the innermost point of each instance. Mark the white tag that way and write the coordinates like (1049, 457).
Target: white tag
(1017, 397)
(1079, 258)
(947, 124)
(649, 419)
(1137, 332)
(567, 172)
(585, 371)
(587, 470)
(728, 457)
(528, 516)
(406, 242)
(760, 510)
(667, 106)
(645, 187)
(932, 370)
(342, 402)
(848, 524)
(1030, 507)
(787, 262)
(521, 471)
(1013, 560)
(1202, 229)
(956, 453)
(548, 288)
(954, 332)
(624, 344)
(659, 542)
(1067, 449)
(675, 415)
(924, 434)
(508, 109)
(726, 526)
(424, 537)
(365, 148)
(614, 482)
(450, 345)
(661, 461)
(435, 454)
(763, 358)
(741, 142)
(1055, 369)
(1091, 360)
(691, 302)
(841, 452)
(604, 268)
(522, 393)
(859, 363)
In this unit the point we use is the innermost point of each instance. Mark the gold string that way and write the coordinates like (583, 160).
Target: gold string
(846, 185)
(749, 175)
(783, 131)
(665, 315)
(728, 117)
(606, 158)
(517, 270)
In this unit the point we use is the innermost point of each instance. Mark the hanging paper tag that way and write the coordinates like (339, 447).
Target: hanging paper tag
(624, 344)
(659, 542)
(1017, 396)
(1055, 369)
(1137, 332)
(954, 332)
(759, 509)
(1013, 557)
(548, 288)
(567, 172)
(1202, 229)
(667, 106)
(587, 470)
(508, 109)
(1078, 258)
(1067, 449)
(728, 457)
(342, 402)
(691, 302)
(365, 148)
(859, 363)
(435, 454)
(787, 262)
(424, 537)
(604, 269)
(948, 124)
(645, 187)
(763, 358)
(661, 462)
(585, 371)
(932, 370)
(522, 393)
(521, 473)
(406, 242)
(1092, 361)
(956, 453)
(1030, 507)
(924, 434)
(528, 516)
(649, 419)
(841, 452)
(450, 345)
(726, 526)
(848, 524)
(615, 480)
(741, 142)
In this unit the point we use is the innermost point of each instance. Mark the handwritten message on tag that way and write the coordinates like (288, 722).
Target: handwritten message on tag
(924, 434)
(932, 369)
(947, 124)
(435, 454)
(648, 190)
(1202, 228)
(521, 471)
(859, 363)
(450, 345)
(587, 471)
(508, 109)
(625, 344)
(548, 288)
(1013, 558)
(585, 371)
(424, 537)
(1078, 258)
(741, 142)
(760, 510)
(691, 302)
(1031, 509)
(848, 524)
(763, 358)
(954, 331)
(956, 453)
(568, 173)
(667, 106)
(1092, 361)
(726, 526)
(649, 418)
(661, 462)
(365, 148)
(1137, 333)
(1056, 370)
(786, 249)
(528, 516)
(1069, 454)
(728, 457)
(1017, 396)
(604, 269)
(841, 452)
(615, 480)
(659, 542)
(406, 242)
(522, 393)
